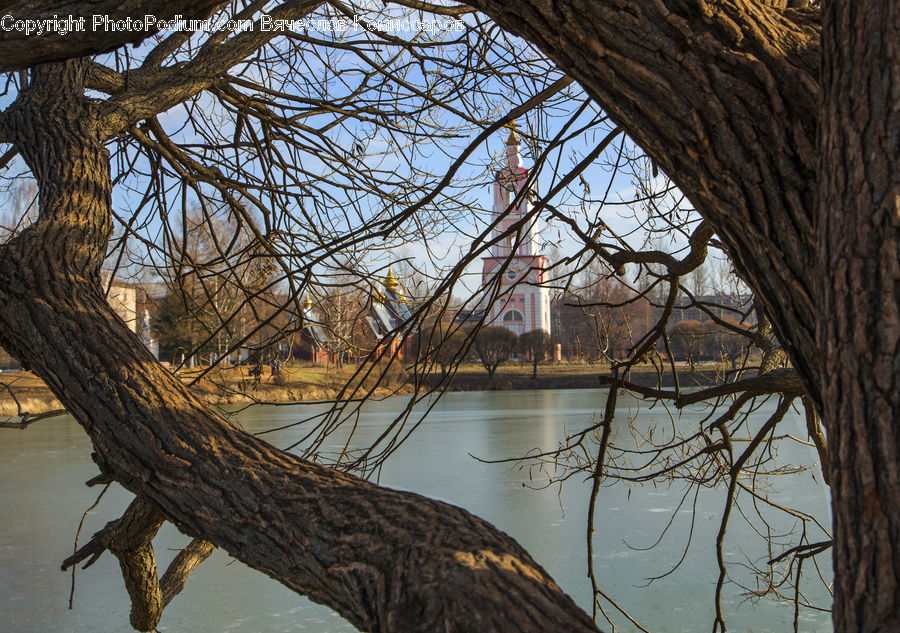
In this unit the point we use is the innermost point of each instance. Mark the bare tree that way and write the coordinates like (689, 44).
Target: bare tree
(537, 345)
(494, 345)
(344, 309)
(443, 343)
(796, 179)
(316, 198)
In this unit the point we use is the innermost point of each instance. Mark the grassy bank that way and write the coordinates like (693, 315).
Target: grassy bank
(22, 391)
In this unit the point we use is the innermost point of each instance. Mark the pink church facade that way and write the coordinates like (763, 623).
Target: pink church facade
(520, 302)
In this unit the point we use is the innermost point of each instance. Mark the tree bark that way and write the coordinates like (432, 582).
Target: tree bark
(130, 539)
(804, 193)
(383, 559)
(859, 260)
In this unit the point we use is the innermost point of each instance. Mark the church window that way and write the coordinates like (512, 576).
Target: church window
(514, 321)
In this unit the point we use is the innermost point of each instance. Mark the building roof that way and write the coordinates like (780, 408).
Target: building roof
(389, 308)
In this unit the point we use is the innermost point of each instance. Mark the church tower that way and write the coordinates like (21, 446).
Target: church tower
(524, 303)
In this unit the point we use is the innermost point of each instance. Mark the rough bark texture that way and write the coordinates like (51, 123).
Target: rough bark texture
(172, 582)
(859, 215)
(724, 95)
(132, 544)
(130, 540)
(20, 50)
(385, 560)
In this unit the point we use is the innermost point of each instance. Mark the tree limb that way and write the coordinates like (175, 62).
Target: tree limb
(146, 92)
(723, 96)
(129, 539)
(783, 381)
(181, 567)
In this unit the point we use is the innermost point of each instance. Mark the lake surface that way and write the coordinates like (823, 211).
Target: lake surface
(43, 470)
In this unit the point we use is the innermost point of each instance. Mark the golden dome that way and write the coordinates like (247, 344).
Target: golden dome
(513, 138)
(391, 283)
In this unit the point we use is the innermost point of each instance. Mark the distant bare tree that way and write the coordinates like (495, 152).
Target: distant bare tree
(493, 345)
(537, 345)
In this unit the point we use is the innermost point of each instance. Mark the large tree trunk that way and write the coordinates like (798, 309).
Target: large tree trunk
(724, 95)
(859, 229)
(383, 559)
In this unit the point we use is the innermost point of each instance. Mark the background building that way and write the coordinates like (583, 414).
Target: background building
(131, 303)
(519, 302)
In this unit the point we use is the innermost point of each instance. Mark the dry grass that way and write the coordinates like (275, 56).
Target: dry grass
(296, 383)
(22, 392)
(34, 405)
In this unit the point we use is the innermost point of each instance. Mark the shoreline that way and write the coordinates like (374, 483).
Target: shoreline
(235, 386)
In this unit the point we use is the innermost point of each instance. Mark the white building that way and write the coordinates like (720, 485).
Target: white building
(523, 302)
(129, 301)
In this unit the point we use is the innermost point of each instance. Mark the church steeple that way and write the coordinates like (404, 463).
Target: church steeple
(515, 254)
(508, 180)
(513, 156)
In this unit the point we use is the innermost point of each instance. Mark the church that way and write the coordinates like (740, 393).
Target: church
(522, 302)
